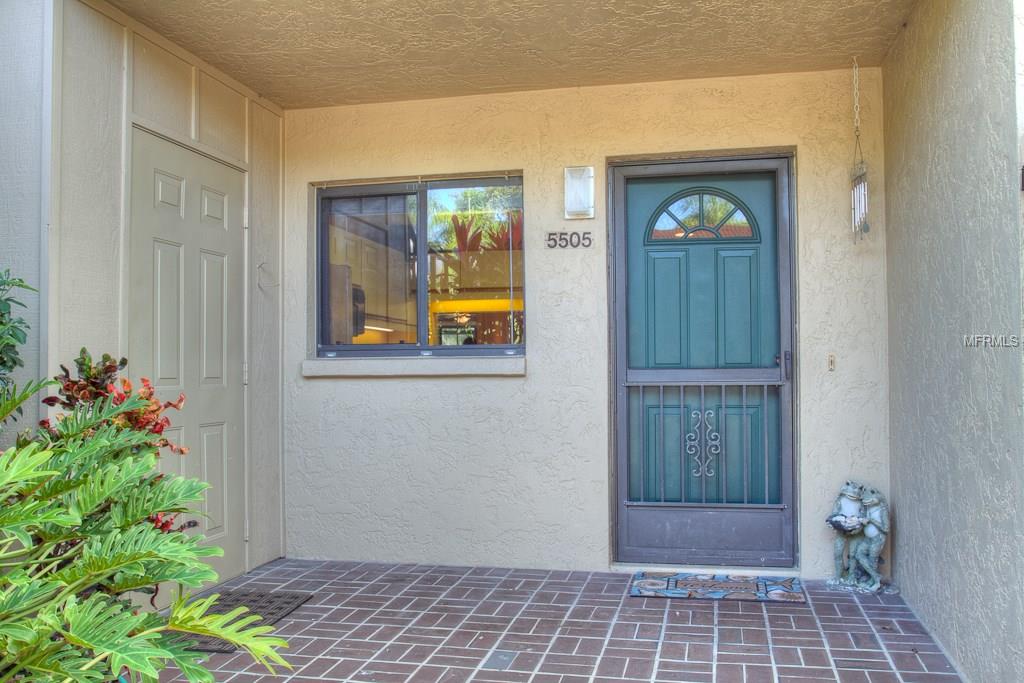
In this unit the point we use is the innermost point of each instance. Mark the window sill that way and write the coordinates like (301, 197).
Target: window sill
(416, 366)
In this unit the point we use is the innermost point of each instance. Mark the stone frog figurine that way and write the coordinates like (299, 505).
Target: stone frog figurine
(846, 519)
(867, 548)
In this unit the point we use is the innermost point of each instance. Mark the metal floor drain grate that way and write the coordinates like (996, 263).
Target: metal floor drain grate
(272, 606)
(500, 660)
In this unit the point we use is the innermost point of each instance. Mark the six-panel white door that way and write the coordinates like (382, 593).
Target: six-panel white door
(185, 321)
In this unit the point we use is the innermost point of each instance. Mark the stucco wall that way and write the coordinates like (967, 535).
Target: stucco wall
(514, 470)
(1018, 40)
(21, 114)
(954, 268)
(114, 74)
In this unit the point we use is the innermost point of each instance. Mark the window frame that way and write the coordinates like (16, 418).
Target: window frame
(419, 188)
(699, 191)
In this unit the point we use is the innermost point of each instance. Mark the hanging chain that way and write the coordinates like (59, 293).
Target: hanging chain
(858, 153)
(856, 98)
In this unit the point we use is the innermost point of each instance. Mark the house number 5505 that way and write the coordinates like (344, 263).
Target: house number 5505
(569, 240)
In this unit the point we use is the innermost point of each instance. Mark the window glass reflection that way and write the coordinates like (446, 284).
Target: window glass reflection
(370, 271)
(475, 256)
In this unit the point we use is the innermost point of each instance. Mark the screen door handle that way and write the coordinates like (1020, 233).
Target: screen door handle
(788, 365)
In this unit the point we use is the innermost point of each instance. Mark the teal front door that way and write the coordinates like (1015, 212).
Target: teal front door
(703, 363)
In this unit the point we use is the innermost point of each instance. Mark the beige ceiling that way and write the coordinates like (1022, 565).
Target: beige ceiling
(311, 53)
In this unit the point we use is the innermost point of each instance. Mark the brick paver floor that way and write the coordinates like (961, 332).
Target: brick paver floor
(391, 623)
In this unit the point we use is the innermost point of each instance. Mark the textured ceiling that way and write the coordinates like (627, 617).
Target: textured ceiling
(311, 53)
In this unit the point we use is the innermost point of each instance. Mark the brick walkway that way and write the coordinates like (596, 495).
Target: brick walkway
(385, 623)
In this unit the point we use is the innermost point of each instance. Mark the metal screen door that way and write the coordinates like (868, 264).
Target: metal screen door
(703, 363)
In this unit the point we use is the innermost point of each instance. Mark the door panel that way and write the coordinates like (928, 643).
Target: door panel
(212, 455)
(667, 308)
(214, 312)
(185, 321)
(167, 337)
(738, 320)
(703, 336)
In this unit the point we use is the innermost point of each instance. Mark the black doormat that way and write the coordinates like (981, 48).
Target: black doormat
(272, 607)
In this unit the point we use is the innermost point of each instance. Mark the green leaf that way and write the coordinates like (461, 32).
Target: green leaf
(78, 457)
(56, 662)
(17, 632)
(186, 659)
(151, 573)
(194, 618)
(19, 520)
(16, 597)
(87, 417)
(123, 549)
(110, 480)
(19, 467)
(105, 627)
(168, 494)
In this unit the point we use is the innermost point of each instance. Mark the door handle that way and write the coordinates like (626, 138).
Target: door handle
(788, 365)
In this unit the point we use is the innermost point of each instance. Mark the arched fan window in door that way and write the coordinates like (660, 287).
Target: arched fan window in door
(702, 214)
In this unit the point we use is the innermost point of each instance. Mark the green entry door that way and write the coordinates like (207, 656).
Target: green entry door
(703, 363)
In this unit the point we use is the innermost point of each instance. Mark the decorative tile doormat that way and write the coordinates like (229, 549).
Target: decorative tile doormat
(716, 587)
(272, 606)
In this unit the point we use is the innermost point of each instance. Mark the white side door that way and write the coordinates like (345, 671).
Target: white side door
(185, 321)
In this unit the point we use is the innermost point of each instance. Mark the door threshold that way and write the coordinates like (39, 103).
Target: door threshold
(631, 567)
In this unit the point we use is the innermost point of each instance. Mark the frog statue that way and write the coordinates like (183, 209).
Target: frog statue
(845, 520)
(860, 517)
(868, 547)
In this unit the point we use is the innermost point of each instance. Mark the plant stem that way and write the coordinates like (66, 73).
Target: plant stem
(41, 557)
(11, 672)
(95, 660)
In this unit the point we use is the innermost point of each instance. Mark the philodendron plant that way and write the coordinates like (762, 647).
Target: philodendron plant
(87, 525)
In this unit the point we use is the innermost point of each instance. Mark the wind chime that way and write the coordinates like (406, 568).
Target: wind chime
(859, 174)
